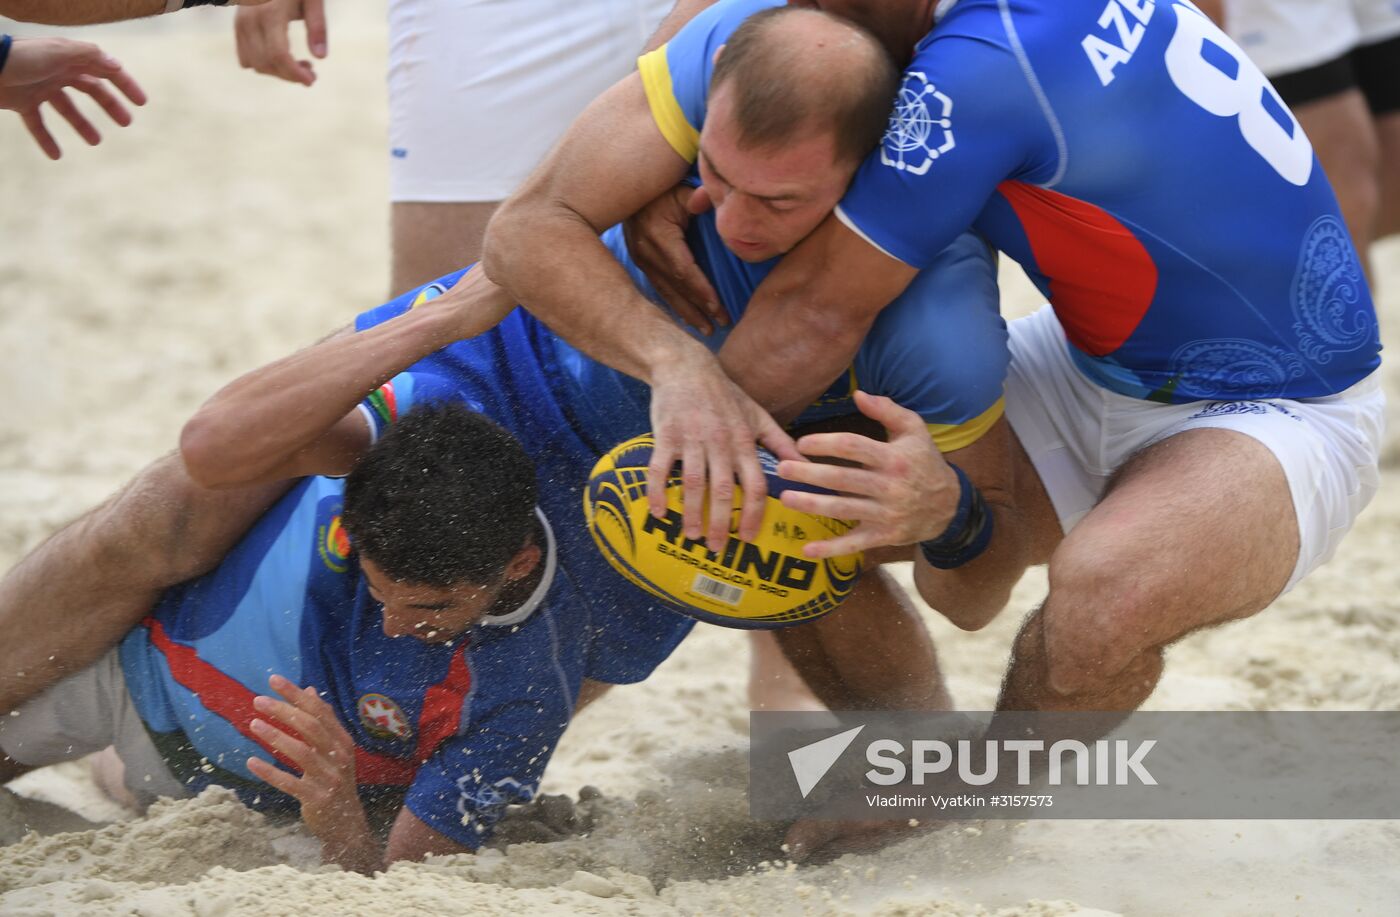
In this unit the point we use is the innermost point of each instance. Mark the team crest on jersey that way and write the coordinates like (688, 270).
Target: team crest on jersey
(383, 718)
(333, 543)
(921, 126)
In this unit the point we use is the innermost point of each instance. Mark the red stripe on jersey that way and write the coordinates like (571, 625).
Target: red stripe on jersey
(441, 716)
(227, 698)
(1102, 280)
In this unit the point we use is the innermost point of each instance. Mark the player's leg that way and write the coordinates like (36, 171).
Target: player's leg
(1388, 131)
(1196, 530)
(1177, 516)
(1378, 71)
(86, 712)
(467, 122)
(773, 682)
(872, 653)
(79, 592)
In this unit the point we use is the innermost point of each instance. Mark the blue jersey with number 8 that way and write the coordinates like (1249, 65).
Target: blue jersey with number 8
(1148, 179)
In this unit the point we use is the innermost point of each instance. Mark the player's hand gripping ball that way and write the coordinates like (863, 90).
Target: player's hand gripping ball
(766, 583)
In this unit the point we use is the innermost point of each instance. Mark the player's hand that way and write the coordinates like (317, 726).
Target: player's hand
(303, 730)
(702, 419)
(656, 241)
(264, 40)
(40, 70)
(900, 492)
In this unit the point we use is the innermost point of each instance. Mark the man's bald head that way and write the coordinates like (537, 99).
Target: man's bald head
(791, 72)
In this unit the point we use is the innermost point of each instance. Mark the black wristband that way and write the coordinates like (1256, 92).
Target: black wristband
(967, 535)
(5, 41)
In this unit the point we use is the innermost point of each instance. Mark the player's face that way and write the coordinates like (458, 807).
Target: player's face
(768, 199)
(433, 614)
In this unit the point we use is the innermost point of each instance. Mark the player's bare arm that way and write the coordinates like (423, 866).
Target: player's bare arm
(612, 162)
(90, 12)
(831, 287)
(296, 416)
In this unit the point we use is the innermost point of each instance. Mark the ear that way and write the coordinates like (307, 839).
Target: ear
(714, 59)
(523, 563)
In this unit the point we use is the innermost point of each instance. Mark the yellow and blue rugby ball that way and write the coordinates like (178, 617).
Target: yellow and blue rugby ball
(765, 583)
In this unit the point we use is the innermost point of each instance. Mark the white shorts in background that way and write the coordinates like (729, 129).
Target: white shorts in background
(82, 714)
(1285, 36)
(479, 90)
(1078, 433)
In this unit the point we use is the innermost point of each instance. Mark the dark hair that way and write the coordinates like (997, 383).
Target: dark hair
(445, 497)
(784, 82)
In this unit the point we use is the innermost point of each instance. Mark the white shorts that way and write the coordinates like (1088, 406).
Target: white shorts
(1285, 36)
(82, 714)
(480, 89)
(1078, 433)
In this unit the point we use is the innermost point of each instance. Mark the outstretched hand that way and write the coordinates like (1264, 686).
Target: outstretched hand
(40, 70)
(303, 730)
(701, 418)
(900, 492)
(264, 39)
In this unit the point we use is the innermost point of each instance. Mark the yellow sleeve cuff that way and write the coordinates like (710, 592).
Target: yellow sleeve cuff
(656, 80)
(950, 437)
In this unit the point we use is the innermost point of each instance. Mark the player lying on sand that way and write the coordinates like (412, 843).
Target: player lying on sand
(1197, 413)
(304, 415)
(508, 629)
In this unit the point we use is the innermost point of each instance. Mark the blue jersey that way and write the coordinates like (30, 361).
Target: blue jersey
(1148, 179)
(939, 349)
(463, 728)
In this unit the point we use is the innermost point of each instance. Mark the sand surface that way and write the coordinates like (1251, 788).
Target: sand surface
(240, 218)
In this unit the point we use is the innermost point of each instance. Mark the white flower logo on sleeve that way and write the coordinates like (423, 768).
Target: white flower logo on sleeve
(921, 126)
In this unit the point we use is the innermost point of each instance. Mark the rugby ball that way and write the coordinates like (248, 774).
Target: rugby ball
(765, 583)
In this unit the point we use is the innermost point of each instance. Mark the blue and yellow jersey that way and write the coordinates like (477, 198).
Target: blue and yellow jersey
(939, 350)
(1150, 181)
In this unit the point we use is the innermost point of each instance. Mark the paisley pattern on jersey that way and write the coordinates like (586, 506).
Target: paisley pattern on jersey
(1233, 367)
(1327, 287)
